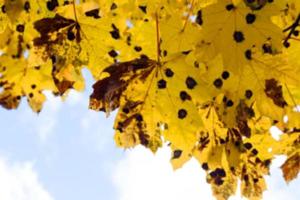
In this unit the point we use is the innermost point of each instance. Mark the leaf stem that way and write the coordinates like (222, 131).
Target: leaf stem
(290, 94)
(74, 9)
(188, 16)
(157, 38)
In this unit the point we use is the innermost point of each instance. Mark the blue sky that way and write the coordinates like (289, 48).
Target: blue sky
(67, 152)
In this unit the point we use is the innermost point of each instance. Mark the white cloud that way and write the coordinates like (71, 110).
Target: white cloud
(19, 181)
(142, 175)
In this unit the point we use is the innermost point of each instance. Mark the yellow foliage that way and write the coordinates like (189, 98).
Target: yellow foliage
(208, 77)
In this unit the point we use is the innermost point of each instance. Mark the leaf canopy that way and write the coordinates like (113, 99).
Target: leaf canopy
(208, 77)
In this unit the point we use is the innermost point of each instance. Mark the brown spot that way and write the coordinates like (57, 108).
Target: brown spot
(274, 91)
(243, 114)
(47, 26)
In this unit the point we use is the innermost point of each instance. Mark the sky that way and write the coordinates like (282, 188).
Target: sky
(67, 152)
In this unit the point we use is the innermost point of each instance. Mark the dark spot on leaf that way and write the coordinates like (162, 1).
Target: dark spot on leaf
(113, 6)
(20, 28)
(115, 33)
(190, 82)
(176, 154)
(205, 166)
(248, 94)
(218, 83)
(52, 4)
(125, 110)
(230, 7)
(27, 6)
(250, 18)
(162, 84)
(246, 178)
(113, 53)
(254, 152)
(213, 174)
(71, 36)
(238, 36)
(248, 145)
(267, 48)
(199, 19)
(169, 73)
(229, 103)
(222, 141)
(182, 113)
(184, 96)
(186, 52)
(139, 117)
(248, 54)
(3, 9)
(225, 75)
(143, 9)
(220, 172)
(267, 162)
(165, 53)
(219, 181)
(93, 13)
(138, 48)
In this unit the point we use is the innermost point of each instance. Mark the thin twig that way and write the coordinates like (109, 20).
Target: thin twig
(291, 29)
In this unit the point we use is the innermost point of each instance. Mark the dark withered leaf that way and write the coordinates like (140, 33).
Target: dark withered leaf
(47, 26)
(107, 91)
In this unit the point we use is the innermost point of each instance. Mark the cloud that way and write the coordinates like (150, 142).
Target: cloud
(19, 181)
(142, 175)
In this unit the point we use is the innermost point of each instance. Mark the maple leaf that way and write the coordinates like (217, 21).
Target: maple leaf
(69, 42)
(291, 167)
(229, 28)
(144, 91)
